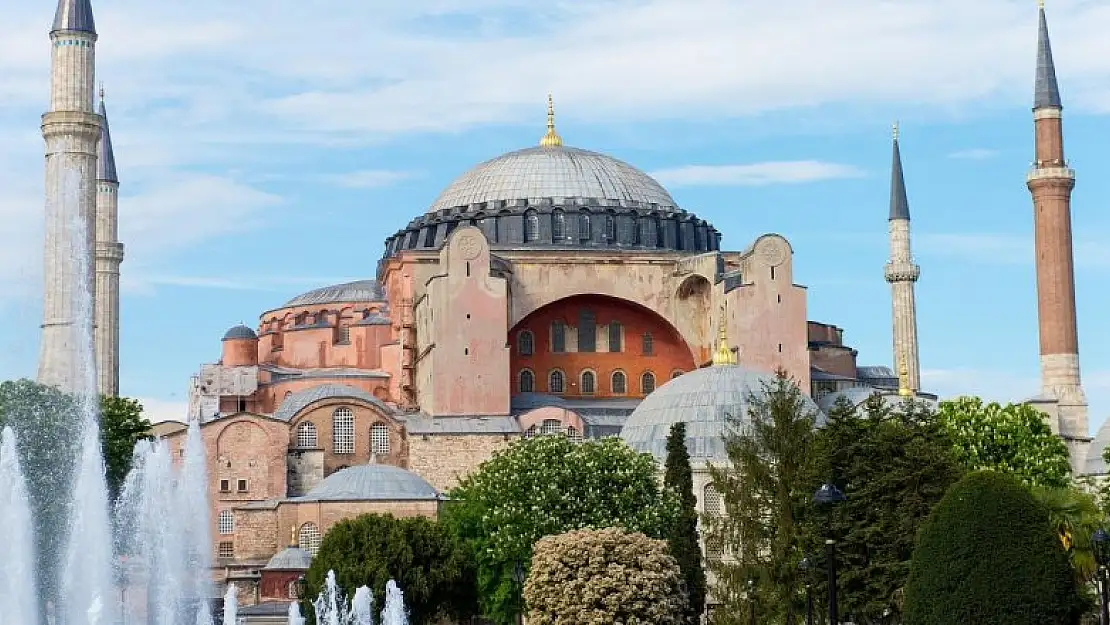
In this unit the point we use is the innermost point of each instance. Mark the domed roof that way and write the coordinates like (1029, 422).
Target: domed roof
(239, 332)
(290, 559)
(372, 482)
(552, 172)
(357, 291)
(705, 400)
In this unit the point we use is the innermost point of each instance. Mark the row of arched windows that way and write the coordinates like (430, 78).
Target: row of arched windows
(343, 434)
(587, 337)
(587, 382)
(553, 426)
(651, 235)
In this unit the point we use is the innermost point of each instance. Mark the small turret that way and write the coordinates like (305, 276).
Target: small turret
(240, 347)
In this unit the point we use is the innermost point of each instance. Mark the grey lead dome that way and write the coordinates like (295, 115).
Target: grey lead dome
(552, 172)
(372, 482)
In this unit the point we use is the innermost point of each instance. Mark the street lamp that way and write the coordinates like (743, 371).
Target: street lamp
(805, 566)
(1101, 540)
(829, 495)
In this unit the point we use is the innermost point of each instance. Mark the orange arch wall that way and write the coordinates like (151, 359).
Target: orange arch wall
(669, 353)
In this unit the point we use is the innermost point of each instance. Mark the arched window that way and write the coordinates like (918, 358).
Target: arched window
(379, 439)
(343, 431)
(610, 228)
(527, 381)
(676, 374)
(344, 334)
(619, 383)
(660, 240)
(574, 435)
(615, 336)
(587, 331)
(531, 226)
(558, 336)
(556, 382)
(225, 523)
(585, 231)
(647, 383)
(551, 426)
(525, 343)
(308, 538)
(294, 590)
(306, 435)
(647, 344)
(589, 382)
(558, 226)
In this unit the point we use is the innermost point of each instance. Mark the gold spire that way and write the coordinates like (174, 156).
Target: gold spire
(552, 138)
(904, 378)
(723, 355)
(894, 130)
(1040, 4)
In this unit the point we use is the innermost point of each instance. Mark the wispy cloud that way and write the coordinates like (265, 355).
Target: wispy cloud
(756, 174)
(1005, 248)
(974, 154)
(159, 410)
(366, 178)
(268, 283)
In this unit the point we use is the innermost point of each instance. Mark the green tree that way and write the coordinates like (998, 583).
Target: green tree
(601, 577)
(987, 555)
(894, 465)
(1013, 439)
(121, 426)
(682, 536)
(421, 555)
(764, 490)
(548, 485)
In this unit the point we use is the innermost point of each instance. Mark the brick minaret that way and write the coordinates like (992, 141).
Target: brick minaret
(71, 129)
(109, 255)
(1051, 182)
(902, 274)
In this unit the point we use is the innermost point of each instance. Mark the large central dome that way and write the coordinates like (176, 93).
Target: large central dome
(558, 172)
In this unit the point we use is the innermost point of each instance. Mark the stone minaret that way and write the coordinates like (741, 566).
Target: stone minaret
(1051, 182)
(71, 129)
(902, 273)
(109, 255)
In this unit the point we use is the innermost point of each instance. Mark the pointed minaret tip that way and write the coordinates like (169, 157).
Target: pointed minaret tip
(552, 138)
(723, 355)
(899, 203)
(105, 155)
(1046, 92)
(74, 16)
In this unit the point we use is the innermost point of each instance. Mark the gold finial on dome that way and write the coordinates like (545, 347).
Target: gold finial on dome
(1040, 4)
(723, 355)
(552, 138)
(904, 378)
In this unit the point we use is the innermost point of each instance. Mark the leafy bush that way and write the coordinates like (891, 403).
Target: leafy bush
(602, 577)
(987, 555)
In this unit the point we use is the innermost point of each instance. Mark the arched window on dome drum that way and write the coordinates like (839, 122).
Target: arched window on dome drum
(531, 226)
(343, 431)
(610, 229)
(525, 343)
(558, 336)
(527, 381)
(308, 538)
(619, 383)
(574, 435)
(558, 226)
(225, 523)
(379, 439)
(556, 382)
(587, 331)
(647, 344)
(585, 230)
(589, 382)
(615, 336)
(660, 240)
(647, 383)
(551, 426)
(306, 435)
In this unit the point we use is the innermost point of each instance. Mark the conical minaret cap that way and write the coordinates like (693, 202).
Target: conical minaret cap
(105, 156)
(899, 203)
(75, 16)
(1046, 92)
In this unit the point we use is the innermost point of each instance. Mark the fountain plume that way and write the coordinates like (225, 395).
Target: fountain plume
(17, 576)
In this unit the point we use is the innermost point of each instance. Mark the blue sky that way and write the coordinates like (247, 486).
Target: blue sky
(266, 148)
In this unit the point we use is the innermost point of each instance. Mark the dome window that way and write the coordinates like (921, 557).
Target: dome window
(551, 426)
(589, 383)
(618, 383)
(558, 336)
(306, 435)
(647, 383)
(343, 431)
(647, 344)
(527, 381)
(585, 231)
(531, 226)
(610, 229)
(558, 226)
(379, 439)
(525, 343)
(615, 336)
(587, 331)
(556, 382)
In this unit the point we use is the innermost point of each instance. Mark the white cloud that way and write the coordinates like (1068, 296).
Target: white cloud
(1005, 248)
(270, 283)
(366, 178)
(159, 410)
(974, 154)
(755, 174)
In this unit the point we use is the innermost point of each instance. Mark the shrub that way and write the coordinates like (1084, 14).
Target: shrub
(987, 555)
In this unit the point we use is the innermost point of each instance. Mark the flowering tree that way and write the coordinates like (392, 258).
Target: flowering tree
(1012, 439)
(600, 577)
(544, 486)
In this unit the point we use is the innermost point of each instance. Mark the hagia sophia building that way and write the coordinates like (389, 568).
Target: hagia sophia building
(550, 290)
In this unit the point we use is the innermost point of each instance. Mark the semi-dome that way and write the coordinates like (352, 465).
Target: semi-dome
(240, 332)
(357, 291)
(290, 559)
(545, 172)
(707, 400)
(372, 482)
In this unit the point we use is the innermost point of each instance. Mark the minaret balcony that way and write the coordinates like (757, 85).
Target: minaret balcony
(1050, 173)
(901, 272)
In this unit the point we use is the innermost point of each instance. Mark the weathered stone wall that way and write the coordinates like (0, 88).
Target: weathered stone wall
(442, 459)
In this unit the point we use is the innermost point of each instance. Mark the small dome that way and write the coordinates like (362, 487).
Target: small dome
(290, 559)
(240, 332)
(372, 482)
(358, 291)
(704, 399)
(552, 172)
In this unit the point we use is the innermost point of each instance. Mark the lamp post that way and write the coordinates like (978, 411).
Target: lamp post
(805, 566)
(519, 576)
(828, 496)
(1101, 540)
(751, 602)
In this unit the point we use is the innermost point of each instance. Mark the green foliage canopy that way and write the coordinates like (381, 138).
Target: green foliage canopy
(421, 555)
(1011, 439)
(121, 426)
(987, 555)
(544, 486)
(682, 536)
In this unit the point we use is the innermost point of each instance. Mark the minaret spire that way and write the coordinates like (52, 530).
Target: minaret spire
(552, 138)
(902, 274)
(74, 16)
(723, 355)
(1051, 182)
(109, 256)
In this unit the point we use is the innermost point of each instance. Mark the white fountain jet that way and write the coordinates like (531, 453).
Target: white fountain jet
(17, 575)
(394, 612)
(362, 607)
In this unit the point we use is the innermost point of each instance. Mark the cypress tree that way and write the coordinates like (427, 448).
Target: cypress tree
(683, 536)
